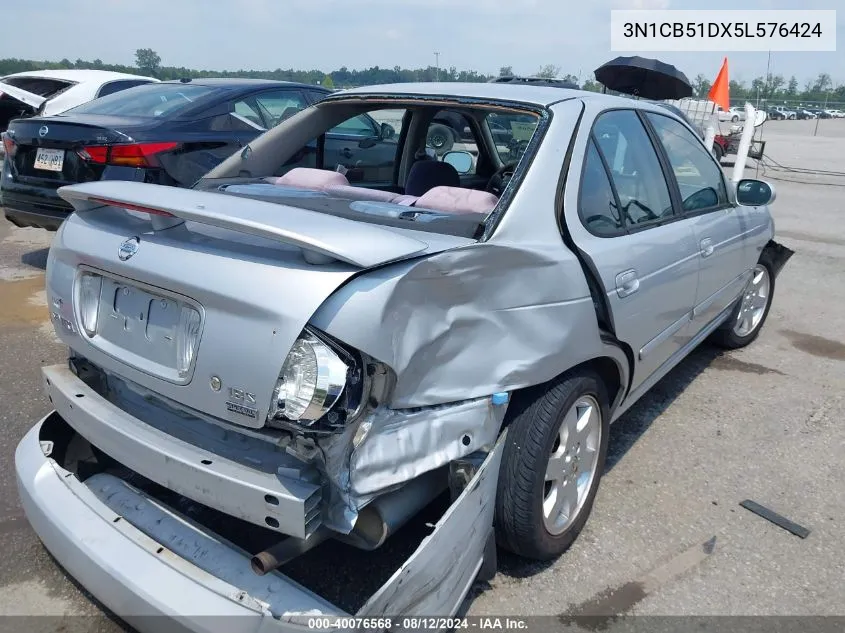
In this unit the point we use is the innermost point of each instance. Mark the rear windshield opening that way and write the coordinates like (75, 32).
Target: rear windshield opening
(42, 86)
(435, 167)
(147, 101)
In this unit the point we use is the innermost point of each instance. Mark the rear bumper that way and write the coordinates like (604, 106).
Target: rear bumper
(40, 218)
(31, 206)
(212, 473)
(126, 570)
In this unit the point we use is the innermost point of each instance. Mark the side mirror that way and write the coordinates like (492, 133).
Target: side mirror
(461, 161)
(387, 131)
(754, 193)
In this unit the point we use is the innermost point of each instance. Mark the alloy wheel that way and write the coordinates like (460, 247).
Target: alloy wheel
(754, 301)
(572, 465)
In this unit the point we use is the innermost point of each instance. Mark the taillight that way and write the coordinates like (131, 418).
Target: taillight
(126, 155)
(130, 207)
(9, 145)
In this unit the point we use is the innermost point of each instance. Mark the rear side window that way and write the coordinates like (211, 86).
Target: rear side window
(316, 95)
(275, 107)
(700, 179)
(634, 168)
(116, 86)
(596, 201)
(149, 101)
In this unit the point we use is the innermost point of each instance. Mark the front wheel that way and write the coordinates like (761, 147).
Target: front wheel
(718, 152)
(746, 321)
(551, 465)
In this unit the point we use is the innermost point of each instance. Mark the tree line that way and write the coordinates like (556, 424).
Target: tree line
(775, 88)
(771, 88)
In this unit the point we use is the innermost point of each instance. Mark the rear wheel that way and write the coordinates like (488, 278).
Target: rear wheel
(747, 319)
(735, 119)
(718, 152)
(551, 466)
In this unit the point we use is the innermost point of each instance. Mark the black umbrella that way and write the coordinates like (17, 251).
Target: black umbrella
(643, 77)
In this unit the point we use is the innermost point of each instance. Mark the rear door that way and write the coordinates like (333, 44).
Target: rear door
(717, 223)
(642, 254)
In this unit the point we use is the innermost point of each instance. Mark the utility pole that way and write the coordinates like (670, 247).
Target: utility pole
(824, 107)
(437, 64)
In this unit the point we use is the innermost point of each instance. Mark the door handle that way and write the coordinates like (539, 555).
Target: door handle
(627, 283)
(707, 247)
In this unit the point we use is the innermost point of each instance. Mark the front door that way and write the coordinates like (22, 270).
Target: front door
(717, 223)
(645, 258)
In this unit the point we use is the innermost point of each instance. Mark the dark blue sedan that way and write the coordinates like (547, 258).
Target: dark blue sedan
(168, 133)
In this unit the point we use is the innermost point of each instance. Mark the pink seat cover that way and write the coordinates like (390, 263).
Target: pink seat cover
(457, 200)
(308, 178)
(360, 193)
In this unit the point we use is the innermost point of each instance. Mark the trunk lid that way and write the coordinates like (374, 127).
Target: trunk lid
(241, 264)
(66, 136)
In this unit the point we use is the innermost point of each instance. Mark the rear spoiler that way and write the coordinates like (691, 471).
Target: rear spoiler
(322, 237)
(24, 96)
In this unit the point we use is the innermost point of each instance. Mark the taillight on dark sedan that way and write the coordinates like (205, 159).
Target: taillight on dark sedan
(9, 145)
(126, 155)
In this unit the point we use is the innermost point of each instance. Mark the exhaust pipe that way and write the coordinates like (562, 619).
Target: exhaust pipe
(285, 551)
(376, 522)
(386, 514)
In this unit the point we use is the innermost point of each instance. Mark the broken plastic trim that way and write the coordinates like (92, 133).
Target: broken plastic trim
(778, 255)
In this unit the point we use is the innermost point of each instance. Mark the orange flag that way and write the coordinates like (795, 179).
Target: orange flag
(720, 92)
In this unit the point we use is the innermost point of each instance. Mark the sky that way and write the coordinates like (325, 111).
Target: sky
(482, 35)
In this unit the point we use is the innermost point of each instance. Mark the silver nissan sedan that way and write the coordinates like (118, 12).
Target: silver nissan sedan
(328, 336)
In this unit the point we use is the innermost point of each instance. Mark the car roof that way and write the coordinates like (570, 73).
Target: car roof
(239, 82)
(79, 75)
(521, 92)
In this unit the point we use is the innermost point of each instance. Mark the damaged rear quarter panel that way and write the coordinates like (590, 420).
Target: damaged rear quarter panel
(469, 322)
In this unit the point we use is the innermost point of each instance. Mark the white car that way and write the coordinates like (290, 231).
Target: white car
(733, 115)
(48, 92)
(836, 114)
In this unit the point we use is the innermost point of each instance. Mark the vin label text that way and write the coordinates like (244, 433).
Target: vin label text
(722, 31)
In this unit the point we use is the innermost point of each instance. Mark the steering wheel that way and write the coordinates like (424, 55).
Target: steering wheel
(499, 180)
(602, 219)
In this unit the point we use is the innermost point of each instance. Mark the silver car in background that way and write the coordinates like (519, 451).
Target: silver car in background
(307, 346)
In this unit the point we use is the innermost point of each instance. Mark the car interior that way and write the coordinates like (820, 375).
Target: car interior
(344, 152)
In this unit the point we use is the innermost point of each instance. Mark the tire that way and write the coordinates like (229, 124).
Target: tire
(735, 119)
(440, 138)
(718, 152)
(731, 335)
(535, 424)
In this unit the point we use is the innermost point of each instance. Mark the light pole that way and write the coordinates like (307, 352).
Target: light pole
(437, 64)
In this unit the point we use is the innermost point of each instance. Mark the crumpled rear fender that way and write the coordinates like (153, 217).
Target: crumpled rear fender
(469, 322)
